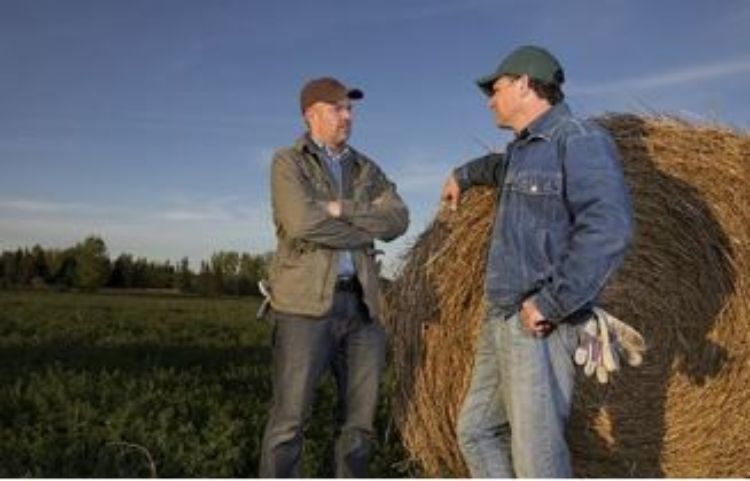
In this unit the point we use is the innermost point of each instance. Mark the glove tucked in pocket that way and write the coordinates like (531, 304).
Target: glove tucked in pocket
(602, 340)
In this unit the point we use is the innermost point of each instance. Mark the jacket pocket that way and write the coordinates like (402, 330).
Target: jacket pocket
(300, 279)
(537, 183)
(535, 199)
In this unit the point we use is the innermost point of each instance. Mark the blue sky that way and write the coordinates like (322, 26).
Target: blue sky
(152, 122)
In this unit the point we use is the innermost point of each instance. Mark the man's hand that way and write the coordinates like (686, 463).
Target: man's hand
(533, 321)
(451, 193)
(334, 209)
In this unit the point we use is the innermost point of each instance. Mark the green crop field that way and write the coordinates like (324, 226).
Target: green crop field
(123, 385)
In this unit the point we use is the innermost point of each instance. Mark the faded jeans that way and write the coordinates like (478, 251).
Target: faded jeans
(513, 419)
(353, 347)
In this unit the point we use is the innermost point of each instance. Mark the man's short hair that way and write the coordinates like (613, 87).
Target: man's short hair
(551, 92)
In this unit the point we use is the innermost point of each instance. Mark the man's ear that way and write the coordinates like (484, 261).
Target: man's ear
(523, 84)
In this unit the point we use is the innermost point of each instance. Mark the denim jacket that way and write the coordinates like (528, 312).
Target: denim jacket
(563, 220)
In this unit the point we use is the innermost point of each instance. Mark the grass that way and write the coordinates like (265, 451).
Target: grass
(112, 385)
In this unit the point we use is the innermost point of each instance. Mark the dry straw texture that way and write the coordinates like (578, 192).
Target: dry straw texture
(684, 284)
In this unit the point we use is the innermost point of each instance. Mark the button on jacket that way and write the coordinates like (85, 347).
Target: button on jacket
(310, 242)
(564, 218)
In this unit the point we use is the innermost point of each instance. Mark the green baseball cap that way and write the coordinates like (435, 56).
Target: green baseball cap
(535, 62)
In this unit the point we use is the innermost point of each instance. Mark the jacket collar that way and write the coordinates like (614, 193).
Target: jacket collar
(545, 124)
(305, 143)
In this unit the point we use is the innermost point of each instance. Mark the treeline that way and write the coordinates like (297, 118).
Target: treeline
(87, 266)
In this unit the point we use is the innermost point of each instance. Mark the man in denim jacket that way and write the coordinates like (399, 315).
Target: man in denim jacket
(562, 225)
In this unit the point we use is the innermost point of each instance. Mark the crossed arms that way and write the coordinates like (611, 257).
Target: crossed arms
(302, 213)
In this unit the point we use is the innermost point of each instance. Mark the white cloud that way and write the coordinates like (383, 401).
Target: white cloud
(184, 215)
(39, 206)
(24, 207)
(192, 227)
(696, 73)
(197, 209)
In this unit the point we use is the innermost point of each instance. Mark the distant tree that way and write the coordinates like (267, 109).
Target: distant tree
(8, 269)
(143, 273)
(169, 275)
(184, 276)
(140, 273)
(207, 280)
(122, 272)
(25, 268)
(161, 275)
(246, 277)
(54, 259)
(40, 267)
(92, 263)
(65, 276)
(252, 270)
(16, 277)
(37, 265)
(225, 266)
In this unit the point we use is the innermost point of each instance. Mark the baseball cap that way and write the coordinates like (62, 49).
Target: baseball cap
(530, 60)
(326, 89)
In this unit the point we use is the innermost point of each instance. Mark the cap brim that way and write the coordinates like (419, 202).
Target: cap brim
(355, 94)
(485, 83)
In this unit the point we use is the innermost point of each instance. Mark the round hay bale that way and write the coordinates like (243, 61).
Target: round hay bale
(684, 284)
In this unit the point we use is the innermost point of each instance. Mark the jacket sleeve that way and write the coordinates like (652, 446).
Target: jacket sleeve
(486, 170)
(602, 228)
(385, 216)
(302, 215)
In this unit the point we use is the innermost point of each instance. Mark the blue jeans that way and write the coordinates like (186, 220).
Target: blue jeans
(513, 419)
(353, 346)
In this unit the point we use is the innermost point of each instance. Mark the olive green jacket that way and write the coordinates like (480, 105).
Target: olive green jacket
(309, 240)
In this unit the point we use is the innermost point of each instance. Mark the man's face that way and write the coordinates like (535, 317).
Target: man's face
(506, 100)
(330, 123)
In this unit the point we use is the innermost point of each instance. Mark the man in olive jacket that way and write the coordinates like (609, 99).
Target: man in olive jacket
(330, 203)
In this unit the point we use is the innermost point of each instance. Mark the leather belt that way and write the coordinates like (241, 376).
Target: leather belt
(348, 284)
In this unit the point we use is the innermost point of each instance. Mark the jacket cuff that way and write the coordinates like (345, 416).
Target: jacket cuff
(548, 307)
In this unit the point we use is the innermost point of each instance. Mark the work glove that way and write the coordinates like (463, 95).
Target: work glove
(628, 341)
(265, 289)
(602, 339)
(589, 347)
